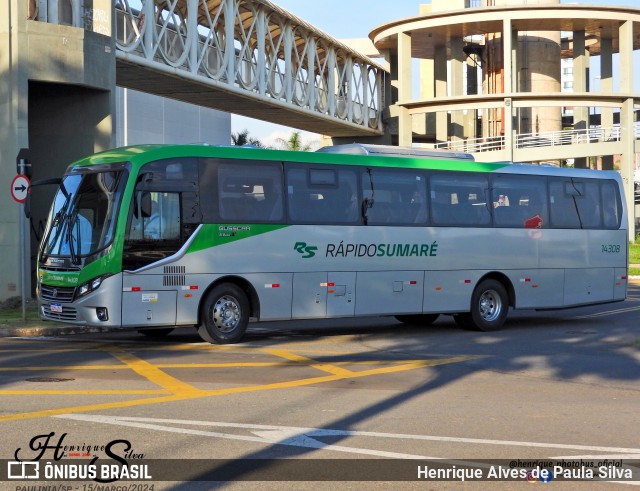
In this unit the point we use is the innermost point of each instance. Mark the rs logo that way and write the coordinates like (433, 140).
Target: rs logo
(303, 248)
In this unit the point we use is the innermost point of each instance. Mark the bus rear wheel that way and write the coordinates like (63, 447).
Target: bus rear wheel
(225, 315)
(489, 306)
(419, 319)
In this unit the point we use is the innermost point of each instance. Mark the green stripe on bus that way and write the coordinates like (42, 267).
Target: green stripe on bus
(212, 235)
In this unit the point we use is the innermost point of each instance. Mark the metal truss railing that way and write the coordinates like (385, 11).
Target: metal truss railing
(545, 139)
(257, 47)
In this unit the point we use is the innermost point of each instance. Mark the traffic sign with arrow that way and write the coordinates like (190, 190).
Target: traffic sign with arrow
(20, 188)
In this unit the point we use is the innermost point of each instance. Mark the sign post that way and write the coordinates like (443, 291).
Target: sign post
(19, 190)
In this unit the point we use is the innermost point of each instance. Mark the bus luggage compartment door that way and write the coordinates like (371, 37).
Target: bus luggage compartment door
(583, 286)
(390, 292)
(309, 298)
(150, 308)
(341, 294)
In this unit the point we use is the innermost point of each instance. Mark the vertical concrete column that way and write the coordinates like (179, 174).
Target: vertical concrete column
(13, 136)
(606, 87)
(440, 87)
(424, 124)
(508, 55)
(471, 117)
(627, 132)
(405, 136)
(580, 84)
(457, 86)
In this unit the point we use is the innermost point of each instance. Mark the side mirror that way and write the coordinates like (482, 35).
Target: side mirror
(40, 182)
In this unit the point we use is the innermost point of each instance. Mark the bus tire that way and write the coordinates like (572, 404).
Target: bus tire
(420, 319)
(156, 332)
(489, 305)
(225, 315)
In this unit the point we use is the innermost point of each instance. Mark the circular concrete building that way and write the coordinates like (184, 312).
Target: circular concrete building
(507, 81)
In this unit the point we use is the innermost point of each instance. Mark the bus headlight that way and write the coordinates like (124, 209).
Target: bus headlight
(91, 285)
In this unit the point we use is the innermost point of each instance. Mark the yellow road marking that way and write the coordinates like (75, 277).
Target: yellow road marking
(154, 374)
(325, 367)
(180, 391)
(81, 392)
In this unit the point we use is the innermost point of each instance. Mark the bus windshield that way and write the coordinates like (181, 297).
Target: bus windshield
(83, 216)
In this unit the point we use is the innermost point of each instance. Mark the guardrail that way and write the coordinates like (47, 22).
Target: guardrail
(533, 140)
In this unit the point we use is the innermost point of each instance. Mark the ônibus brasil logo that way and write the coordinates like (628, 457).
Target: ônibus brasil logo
(304, 249)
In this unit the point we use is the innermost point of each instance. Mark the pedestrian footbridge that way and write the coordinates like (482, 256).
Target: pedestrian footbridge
(250, 58)
(241, 56)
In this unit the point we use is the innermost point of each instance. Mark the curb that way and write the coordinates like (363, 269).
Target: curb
(42, 331)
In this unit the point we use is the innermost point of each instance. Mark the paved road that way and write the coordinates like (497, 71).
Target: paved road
(552, 385)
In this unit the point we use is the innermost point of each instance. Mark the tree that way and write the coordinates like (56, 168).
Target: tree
(242, 138)
(294, 143)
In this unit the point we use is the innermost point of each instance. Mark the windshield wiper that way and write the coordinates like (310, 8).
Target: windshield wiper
(59, 222)
(72, 221)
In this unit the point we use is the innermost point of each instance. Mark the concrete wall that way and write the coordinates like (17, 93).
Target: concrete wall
(147, 118)
(57, 98)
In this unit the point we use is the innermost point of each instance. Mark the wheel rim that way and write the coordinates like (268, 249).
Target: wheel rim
(226, 313)
(490, 305)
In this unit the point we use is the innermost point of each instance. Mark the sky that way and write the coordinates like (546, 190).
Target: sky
(345, 19)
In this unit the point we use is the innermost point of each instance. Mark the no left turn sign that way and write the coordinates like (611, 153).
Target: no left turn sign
(20, 188)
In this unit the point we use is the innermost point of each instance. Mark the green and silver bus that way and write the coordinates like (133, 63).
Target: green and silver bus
(247, 234)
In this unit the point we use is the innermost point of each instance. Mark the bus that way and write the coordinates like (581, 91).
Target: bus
(247, 234)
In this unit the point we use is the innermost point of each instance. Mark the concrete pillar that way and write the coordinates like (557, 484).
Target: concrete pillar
(580, 84)
(606, 87)
(627, 120)
(440, 82)
(57, 98)
(471, 116)
(13, 136)
(457, 86)
(405, 130)
(508, 55)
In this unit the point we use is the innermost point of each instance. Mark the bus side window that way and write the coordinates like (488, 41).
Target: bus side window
(249, 192)
(395, 197)
(563, 208)
(459, 200)
(575, 203)
(610, 205)
(519, 201)
(327, 195)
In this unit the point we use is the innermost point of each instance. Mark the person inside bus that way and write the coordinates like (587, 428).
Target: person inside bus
(152, 224)
(81, 236)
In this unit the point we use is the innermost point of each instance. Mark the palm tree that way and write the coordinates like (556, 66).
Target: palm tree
(294, 143)
(242, 138)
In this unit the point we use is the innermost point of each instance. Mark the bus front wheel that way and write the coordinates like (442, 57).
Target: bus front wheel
(489, 306)
(225, 315)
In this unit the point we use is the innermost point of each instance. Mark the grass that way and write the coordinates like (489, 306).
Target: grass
(13, 316)
(634, 253)
(634, 258)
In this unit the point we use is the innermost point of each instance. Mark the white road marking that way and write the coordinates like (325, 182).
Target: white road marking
(608, 312)
(306, 437)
